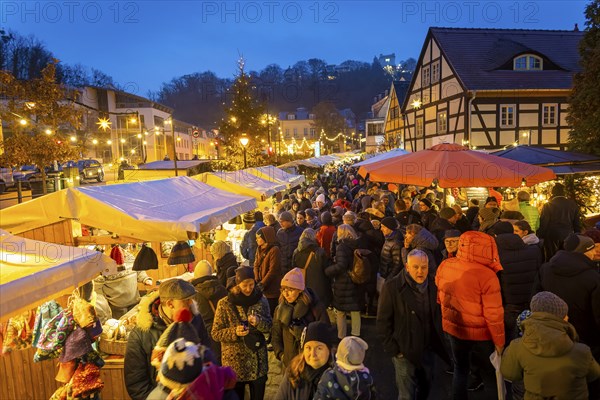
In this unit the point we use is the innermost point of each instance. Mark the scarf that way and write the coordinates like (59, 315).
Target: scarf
(417, 287)
(244, 301)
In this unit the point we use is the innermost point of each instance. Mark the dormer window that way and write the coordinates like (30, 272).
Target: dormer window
(528, 62)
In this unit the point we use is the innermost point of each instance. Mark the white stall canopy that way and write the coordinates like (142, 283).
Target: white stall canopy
(274, 174)
(382, 156)
(33, 272)
(242, 182)
(160, 210)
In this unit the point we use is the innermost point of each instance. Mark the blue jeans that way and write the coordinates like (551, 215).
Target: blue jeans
(414, 382)
(479, 351)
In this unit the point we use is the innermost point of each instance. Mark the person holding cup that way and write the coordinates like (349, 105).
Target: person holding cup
(242, 318)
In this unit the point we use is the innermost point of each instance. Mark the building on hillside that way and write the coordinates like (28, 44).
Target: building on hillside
(387, 60)
(393, 125)
(138, 129)
(490, 88)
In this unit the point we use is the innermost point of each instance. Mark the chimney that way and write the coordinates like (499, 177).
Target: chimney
(576, 29)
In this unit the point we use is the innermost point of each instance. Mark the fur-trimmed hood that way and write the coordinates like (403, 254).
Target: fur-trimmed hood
(148, 314)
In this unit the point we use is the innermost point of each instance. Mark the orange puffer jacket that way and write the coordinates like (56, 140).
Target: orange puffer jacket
(469, 290)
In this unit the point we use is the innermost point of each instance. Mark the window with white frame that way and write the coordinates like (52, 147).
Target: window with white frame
(419, 127)
(528, 62)
(287, 133)
(291, 116)
(507, 116)
(442, 122)
(435, 72)
(425, 76)
(296, 133)
(312, 132)
(305, 132)
(549, 114)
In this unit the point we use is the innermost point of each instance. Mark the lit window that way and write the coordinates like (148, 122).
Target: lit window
(442, 122)
(549, 113)
(296, 133)
(426, 77)
(507, 116)
(419, 127)
(291, 117)
(528, 62)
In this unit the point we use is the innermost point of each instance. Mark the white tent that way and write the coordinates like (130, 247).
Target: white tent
(160, 210)
(274, 174)
(242, 182)
(382, 156)
(33, 272)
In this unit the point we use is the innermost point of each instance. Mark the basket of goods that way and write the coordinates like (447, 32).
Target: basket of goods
(114, 337)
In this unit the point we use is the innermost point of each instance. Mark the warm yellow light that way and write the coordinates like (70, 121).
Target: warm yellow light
(123, 140)
(233, 119)
(23, 121)
(48, 132)
(95, 141)
(515, 144)
(146, 133)
(30, 105)
(73, 138)
(139, 135)
(416, 103)
(133, 120)
(144, 142)
(179, 139)
(244, 141)
(109, 142)
(103, 123)
(132, 151)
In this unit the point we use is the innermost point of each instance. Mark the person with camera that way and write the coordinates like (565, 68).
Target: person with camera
(242, 319)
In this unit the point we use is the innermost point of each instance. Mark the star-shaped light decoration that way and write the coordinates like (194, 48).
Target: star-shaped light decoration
(103, 123)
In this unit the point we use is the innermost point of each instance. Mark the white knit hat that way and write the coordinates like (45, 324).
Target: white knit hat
(321, 198)
(202, 269)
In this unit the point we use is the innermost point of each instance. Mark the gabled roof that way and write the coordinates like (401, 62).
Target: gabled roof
(401, 89)
(480, 56)
(561, 162)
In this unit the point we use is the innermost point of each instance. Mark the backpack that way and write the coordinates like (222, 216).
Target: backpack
(361, 267)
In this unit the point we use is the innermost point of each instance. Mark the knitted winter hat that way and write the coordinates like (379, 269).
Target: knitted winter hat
(550, 303)
(390, 223)
(176, 289)
(488, 214)
(249, 217)
(490, 199)
(320, 198)
(578, 243)
(116, 253)
(318, 331)
(326, 218)
(243, 273)
(452, 233)
(202, 269)
(181, 253)
(181, 365)
(219, 248)
(503, 227)
(293, 279)
(286, 216)
(447, 213)
(351, 353)
(145, 259)
(427, 202)
(337, 212)
(180, 328)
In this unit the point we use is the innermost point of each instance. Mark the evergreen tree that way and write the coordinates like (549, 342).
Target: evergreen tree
(584, 109)
(243, 114)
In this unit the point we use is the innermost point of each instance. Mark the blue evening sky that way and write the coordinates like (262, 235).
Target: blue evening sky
(142, 44)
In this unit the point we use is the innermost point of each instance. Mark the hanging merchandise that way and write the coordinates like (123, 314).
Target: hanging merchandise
(19, 332)
(54, 335)
(44, 314)
(181, 254)
(86, 380)
(116, 253)
(145, 259)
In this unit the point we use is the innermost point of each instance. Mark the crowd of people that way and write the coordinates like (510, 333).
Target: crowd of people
(452, 284)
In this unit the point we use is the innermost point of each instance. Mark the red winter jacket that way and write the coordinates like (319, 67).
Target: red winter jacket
(324, 238)
(469, 290)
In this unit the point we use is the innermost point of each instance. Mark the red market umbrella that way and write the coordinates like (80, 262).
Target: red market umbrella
(453, 165)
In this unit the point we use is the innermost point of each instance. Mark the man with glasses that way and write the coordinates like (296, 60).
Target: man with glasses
(451, 238)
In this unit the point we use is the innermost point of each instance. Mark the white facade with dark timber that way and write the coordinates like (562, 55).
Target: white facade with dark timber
(491, 88)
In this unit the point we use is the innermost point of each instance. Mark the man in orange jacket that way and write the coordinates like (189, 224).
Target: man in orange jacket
(472, 313)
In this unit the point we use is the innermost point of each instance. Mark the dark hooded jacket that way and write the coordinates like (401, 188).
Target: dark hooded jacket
(288, 241)
(549, 361)
(391, 255)
(210, 291)
(223, 264)
(345, 293)
(573, 277)
(428, 217)
(289, 321)
(438, 227)
(520, 265)
(424, 240)
(140, 375)
(248, 246)
(267, 267)
(307, 386)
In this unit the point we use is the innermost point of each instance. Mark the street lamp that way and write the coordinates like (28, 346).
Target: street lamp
(244, 142)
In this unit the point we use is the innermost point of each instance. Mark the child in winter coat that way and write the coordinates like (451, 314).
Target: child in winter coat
(349, 378)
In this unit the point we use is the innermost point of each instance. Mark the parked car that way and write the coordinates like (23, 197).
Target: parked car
(24, 174)
(90, 169)
(6, 179)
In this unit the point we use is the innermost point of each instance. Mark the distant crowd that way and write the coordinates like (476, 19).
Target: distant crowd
(453, 284)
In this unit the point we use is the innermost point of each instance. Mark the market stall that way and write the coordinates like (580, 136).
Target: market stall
(242, 182)
(272, 173)
(166, 169)
(382, 156)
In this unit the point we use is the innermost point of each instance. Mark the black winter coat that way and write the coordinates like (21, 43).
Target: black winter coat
(209, 290)
(223, 264)
(520, 265)
(345, 292)
(306, 387)
(573, 278)
(406, 218)
(399, 326)
(471, 214)
(315, 277)
(391, 255)
(249, 246)
(288, 241)
(438, 227)
(427, 218)
(289, 321)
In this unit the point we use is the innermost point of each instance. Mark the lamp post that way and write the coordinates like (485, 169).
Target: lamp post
(244, 142)
(172, 123)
